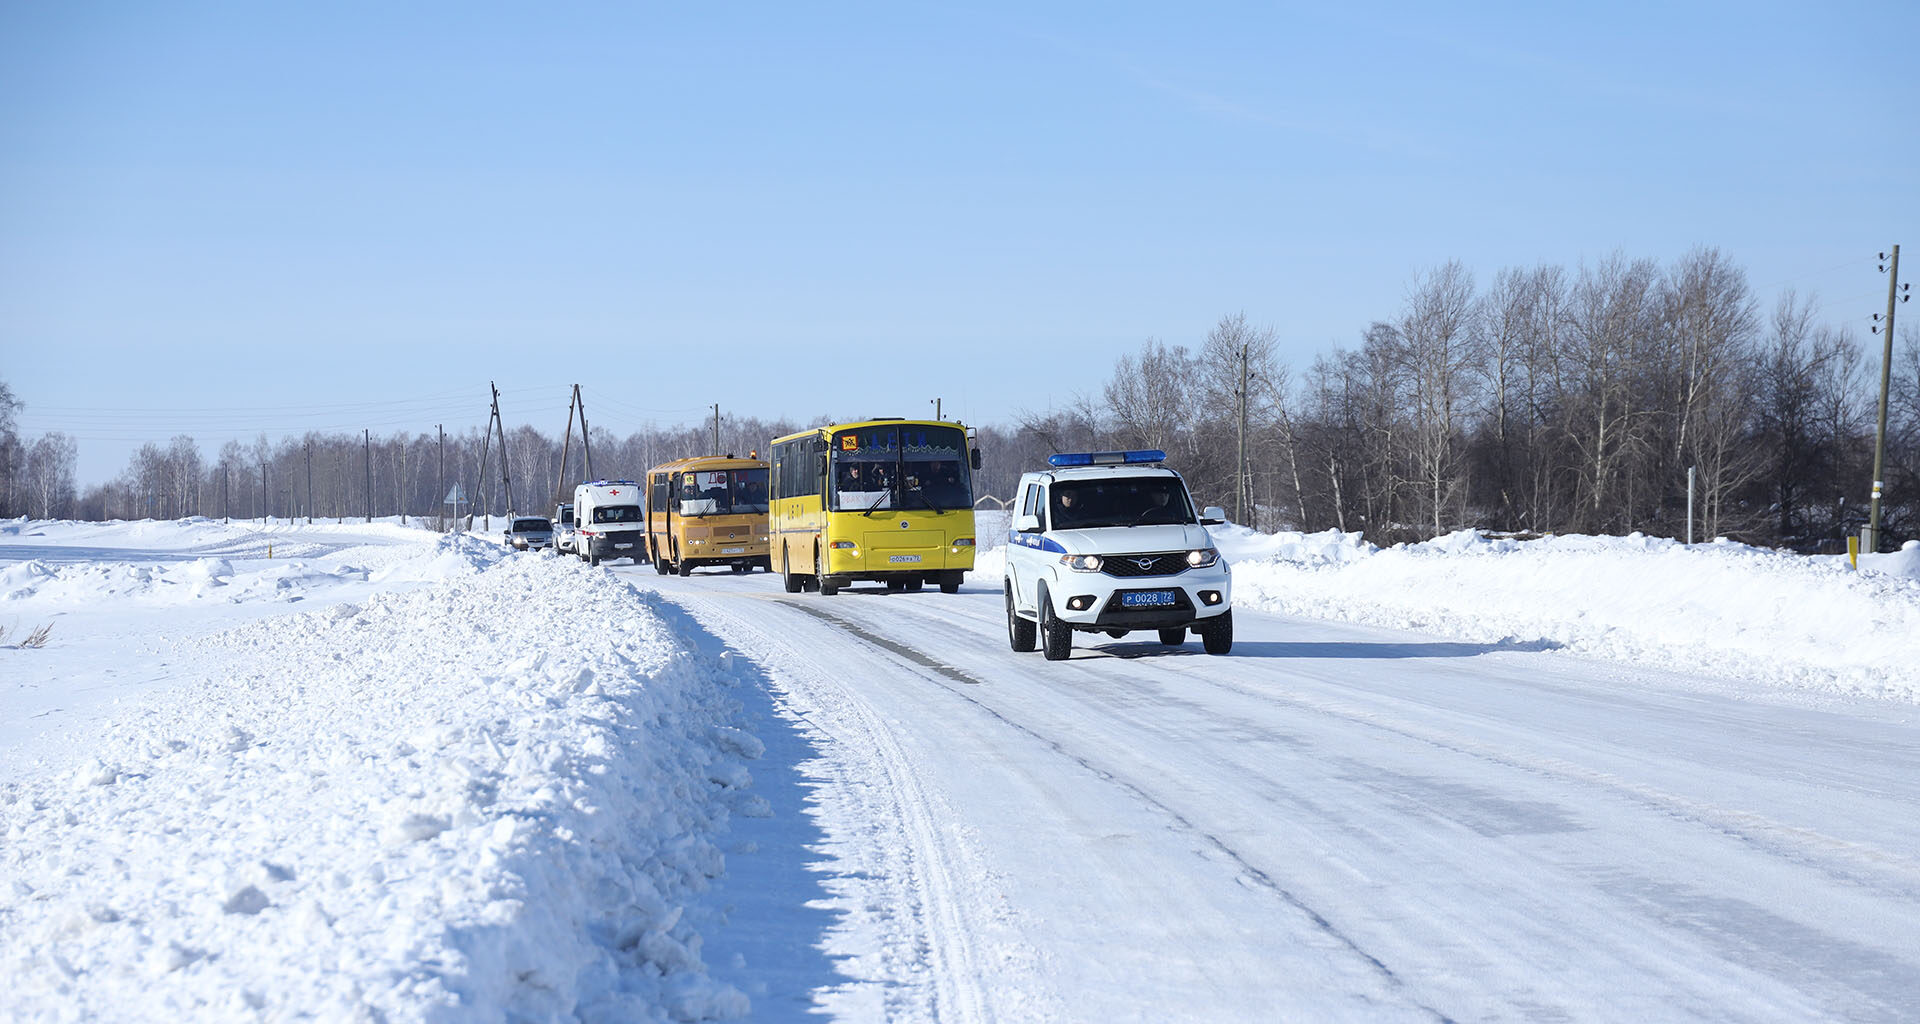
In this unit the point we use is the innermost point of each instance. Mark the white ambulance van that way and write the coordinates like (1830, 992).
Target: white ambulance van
(607, 522)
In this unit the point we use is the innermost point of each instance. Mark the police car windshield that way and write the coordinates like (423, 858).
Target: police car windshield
(1118, 501)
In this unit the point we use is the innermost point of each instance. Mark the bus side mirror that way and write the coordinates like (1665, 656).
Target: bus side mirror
(1213, 515)
(974, 458)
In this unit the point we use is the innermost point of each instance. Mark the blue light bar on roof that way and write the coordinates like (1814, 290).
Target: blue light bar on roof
(1067, 459)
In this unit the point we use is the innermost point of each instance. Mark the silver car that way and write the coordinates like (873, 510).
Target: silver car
(530, 533)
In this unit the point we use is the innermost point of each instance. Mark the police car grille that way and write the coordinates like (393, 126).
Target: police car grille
(1128, 566)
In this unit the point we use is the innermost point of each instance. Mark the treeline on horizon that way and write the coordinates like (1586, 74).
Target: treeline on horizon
(1546, 401)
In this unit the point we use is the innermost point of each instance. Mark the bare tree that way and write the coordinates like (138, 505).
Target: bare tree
(49, 468)
(1437, 331)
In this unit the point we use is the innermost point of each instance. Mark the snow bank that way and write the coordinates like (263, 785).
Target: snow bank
(437, 806)
(1752, 614)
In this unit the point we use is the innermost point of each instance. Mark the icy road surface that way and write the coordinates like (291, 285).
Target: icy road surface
(1333, 822)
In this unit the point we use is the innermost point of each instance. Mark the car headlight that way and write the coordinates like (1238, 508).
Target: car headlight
(1202, 557)
(1081, 563)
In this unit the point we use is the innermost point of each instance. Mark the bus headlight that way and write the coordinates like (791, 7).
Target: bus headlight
(964, 542)
(1081, 563)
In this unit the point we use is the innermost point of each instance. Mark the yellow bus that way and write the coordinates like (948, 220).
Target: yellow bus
(710, 510)
(888, 500)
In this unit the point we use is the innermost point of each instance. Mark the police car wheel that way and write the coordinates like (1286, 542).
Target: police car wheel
(1174, 637)
(1217, 635)
(1020, 632)
(1056, 637)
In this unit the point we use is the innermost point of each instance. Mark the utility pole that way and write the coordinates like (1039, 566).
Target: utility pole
(480, 486)
(309, 448)
(566, 449)
(716, 428)
(1240, 495)
(1894, 296)
(440, 486)
(936, 409)
(225, 511)
(366, 458)
(506, 480)
(586, 449)
(586, 439)
(266, 506)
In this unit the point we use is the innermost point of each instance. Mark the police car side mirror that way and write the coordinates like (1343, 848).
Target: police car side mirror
(1026, 524)
(1213, 515)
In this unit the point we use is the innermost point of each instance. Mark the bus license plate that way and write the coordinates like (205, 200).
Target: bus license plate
(733, 551)
(1146, 598)
(621, 547)
(903, 558)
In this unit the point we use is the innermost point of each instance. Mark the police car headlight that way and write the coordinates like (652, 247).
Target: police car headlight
(1081, 563)
(1203, 557)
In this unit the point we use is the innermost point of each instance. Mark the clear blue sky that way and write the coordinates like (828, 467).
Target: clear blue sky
(224, 218)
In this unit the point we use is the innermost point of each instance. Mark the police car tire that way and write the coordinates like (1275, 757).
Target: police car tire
(1218, 634)
(1020, 633)
(1174, 637)
(1056, 637)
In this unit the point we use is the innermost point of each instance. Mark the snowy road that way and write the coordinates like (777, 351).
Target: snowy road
(1335, 822)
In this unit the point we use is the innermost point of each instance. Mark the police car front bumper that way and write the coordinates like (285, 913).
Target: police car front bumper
(1098, 602)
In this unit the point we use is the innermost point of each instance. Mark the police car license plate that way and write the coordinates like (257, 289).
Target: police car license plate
(733, 551)
(903, 558)
(1146, 598)
(621, 547)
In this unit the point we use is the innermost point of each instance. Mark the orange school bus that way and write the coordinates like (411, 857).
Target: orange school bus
(710, 510)
(888, 500)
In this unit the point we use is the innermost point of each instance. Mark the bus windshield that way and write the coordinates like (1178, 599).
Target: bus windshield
(722, 492)
(888, 467)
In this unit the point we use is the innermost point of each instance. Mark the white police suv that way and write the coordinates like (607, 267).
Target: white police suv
(1107, 542)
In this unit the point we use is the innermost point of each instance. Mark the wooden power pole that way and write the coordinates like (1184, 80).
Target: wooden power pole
(1894, 297)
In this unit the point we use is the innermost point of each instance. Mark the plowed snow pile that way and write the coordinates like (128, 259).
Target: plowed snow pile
(436, 805)
(1751, 615)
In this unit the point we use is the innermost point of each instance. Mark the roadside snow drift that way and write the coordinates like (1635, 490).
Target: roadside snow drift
(468, 800)
(1773, 618)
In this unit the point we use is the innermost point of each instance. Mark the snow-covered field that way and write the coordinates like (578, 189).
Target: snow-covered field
(366, 771)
